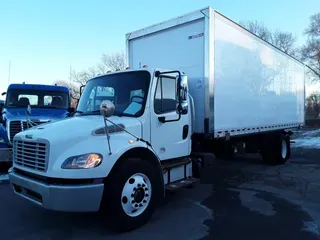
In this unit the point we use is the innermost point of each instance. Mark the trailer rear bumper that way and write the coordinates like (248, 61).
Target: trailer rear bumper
(66, 198)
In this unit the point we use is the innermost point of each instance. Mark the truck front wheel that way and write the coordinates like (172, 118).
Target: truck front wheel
(129, 195)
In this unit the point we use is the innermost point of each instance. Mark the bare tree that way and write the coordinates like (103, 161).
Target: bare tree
(285, 41)
(257, 28)
(73, 88)
(282, 40)
(313, 105)
(112, 62)
(109, 62)
(311, 50)
(81, 77)
(314, 28)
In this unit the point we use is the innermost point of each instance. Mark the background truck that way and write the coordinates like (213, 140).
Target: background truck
(199, 85)
(48, 103)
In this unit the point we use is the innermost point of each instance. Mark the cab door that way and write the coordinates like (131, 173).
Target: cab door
(170, 133)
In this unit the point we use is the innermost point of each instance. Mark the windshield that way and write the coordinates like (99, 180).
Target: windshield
(37, 99)
(127, 90)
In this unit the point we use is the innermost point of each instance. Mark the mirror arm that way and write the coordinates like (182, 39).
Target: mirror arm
(158, 73)
(81, 87)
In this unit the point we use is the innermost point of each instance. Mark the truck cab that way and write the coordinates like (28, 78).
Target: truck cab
(47, 103)
(130, 128)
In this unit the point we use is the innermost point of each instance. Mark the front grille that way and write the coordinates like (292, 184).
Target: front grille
(18, 126)
(14, 128)
(31, 154)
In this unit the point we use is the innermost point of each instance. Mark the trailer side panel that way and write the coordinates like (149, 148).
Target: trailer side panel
(256, 86)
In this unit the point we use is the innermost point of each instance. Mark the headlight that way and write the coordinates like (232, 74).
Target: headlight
(89, 160)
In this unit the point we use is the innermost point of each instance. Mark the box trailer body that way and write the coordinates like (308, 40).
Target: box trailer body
(240, 84)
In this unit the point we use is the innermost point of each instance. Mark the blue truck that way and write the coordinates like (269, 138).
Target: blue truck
(45, 103)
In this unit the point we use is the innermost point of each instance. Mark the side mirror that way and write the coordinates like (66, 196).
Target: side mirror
(107, 108)
(4, 93)
(182, 94)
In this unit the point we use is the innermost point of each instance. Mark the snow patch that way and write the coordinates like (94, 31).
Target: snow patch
(311, 226)
(313, 143)
(311, 133)
(308, 139)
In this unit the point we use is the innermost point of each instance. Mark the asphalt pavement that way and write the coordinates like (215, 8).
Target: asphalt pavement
(238, 198)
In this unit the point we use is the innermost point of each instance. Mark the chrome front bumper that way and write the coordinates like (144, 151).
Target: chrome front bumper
(66, 198)
(5, 155)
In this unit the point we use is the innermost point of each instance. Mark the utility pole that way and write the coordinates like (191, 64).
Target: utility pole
(9, 72)
(70, 74)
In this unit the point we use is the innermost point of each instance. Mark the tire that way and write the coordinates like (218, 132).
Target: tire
(277, 150)
(130, 195)
(4, 167)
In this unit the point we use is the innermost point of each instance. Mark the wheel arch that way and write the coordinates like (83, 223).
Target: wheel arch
(141, 154)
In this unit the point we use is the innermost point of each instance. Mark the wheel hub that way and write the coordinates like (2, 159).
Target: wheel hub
(283, 149)
(139, 195)
(136, 194)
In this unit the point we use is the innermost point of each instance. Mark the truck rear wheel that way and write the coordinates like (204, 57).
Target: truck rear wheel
(130, 195)
(277, 150)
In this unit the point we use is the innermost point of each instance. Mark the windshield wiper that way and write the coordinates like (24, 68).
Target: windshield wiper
(80, 112)
(49, 107)
(122, 114)
(97, 112)
(94, 112)
(16, 106)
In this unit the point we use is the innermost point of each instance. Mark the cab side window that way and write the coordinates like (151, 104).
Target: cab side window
(165, 100)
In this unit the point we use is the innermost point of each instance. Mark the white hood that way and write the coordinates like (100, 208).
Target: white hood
(79, 128)
(77, 135)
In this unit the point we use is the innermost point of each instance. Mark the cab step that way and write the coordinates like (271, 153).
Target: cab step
(183, 183)
(169, 164)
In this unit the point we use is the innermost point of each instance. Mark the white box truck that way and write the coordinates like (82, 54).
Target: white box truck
(210, 87)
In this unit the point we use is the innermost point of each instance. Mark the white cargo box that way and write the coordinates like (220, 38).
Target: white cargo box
(240, 83)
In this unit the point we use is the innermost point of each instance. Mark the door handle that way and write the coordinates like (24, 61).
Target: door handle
(185, 131)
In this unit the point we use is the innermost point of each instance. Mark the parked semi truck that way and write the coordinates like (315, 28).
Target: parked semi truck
(48, 103)
(1, 105)
(198, 85)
